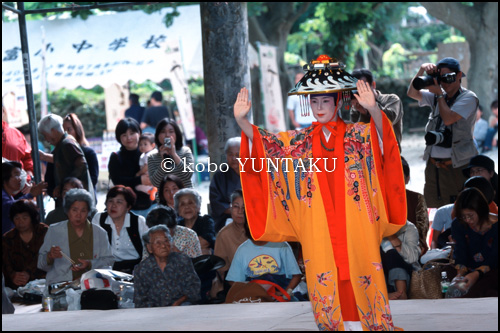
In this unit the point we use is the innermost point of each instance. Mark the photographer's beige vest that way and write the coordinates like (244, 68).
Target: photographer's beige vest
(462, 147)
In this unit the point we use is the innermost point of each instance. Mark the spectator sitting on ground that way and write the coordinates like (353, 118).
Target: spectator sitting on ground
(169, 185)
(135, 111)
(124, 228)
(228, 240)
(187, 205)
(165, 278)
(445, 215)
(269, 261)
(400, 253)
(416, 211)
(11, 185)
(482, 165)
(20, 246)
(480, 128)
(475, 232)
(173, 158)
(58, 214)
(441, 226)
(85, 243)
(185, 240)
(223, 184)
(147, 148)
(484, 186)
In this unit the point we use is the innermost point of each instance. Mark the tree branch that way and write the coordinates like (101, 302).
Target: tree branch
(255, 32)
(303, 8)
(467, 19)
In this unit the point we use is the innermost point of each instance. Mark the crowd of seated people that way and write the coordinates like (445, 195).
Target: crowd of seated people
(158, 240)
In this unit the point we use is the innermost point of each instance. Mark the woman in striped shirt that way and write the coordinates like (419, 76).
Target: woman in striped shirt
(172, 157)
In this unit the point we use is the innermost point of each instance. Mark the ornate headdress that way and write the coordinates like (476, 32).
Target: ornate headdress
(324, 75)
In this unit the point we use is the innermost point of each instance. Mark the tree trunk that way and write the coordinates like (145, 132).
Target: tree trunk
(225, 68)
(479, 24)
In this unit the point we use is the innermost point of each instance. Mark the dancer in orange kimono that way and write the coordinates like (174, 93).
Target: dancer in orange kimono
(336, 188)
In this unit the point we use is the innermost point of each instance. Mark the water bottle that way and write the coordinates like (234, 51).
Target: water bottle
(445, 283)
(457, 288)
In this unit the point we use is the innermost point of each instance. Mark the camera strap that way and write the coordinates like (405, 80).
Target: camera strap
(449, 102)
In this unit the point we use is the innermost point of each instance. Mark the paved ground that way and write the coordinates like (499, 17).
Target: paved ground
(411, 315)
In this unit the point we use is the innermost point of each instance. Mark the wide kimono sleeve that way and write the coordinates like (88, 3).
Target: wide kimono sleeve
(391, 178)
(269, 218)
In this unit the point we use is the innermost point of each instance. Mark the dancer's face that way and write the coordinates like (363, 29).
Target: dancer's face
(323, 108)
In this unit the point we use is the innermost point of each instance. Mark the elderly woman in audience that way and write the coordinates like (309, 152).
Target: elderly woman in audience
(169, 141)
(475, 232)
(124, 228)
(229, 239)
(169, 185)
(73, 247)
(58, 214)
(165, 278)
(185, 240)
(223, 184)
(12, 185)
(187, 205)
(20, 245)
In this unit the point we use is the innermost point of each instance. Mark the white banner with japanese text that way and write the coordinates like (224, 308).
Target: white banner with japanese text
(102, 50)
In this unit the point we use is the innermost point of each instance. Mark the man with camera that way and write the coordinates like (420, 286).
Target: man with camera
(449, 131)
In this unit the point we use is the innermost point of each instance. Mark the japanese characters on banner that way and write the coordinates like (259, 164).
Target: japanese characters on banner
(104, 50)
(271, 89)
(180, 86)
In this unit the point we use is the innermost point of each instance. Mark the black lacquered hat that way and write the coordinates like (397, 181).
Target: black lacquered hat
(325, 75)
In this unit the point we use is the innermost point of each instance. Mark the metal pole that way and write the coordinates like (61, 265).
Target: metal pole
(31, 104)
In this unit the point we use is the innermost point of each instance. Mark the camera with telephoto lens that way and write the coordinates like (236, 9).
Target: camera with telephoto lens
(442, 138)
(420, 82)
(167, 142)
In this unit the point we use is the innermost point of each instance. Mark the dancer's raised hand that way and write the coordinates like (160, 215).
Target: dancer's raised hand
(242, 105)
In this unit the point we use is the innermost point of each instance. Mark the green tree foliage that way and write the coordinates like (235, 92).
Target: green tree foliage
(378, 35)
(333, 28)
(88, 105)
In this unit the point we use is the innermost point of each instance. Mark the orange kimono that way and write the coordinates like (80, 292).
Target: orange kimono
(338, 200)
